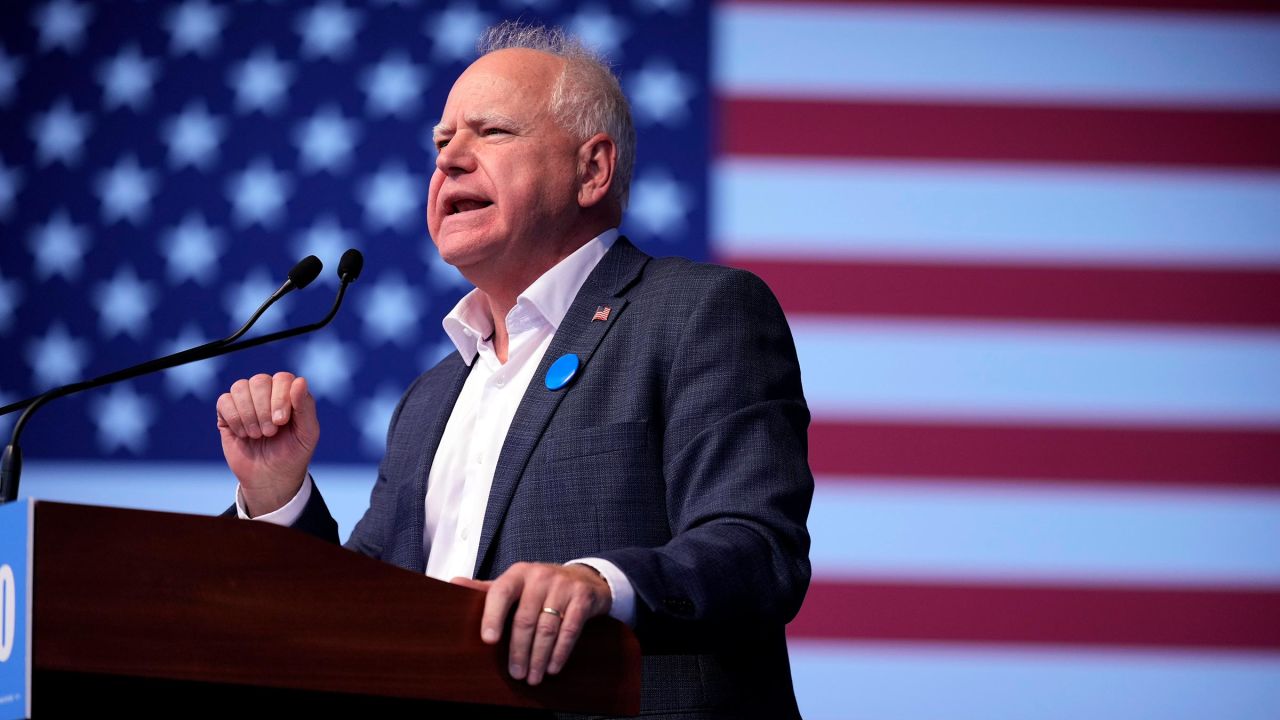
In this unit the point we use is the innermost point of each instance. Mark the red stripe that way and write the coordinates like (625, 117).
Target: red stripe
(1202, 457)
(1041, 615)
(1147, 136)
(1143, 295)
(1251, 6)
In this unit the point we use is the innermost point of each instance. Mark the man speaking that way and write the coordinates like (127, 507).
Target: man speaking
(616, 434)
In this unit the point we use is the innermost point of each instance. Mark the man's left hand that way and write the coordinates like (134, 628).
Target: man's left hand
(540, 640)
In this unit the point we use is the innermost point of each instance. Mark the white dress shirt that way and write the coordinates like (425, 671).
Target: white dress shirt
(463, 468)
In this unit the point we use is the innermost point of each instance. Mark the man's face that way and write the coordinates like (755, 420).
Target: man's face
(504, 186)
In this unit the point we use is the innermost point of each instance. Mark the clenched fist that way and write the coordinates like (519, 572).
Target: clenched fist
(269, 433)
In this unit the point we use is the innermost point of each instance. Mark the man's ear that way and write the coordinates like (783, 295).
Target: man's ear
(597, 160)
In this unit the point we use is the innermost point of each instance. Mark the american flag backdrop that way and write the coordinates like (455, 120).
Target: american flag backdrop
(1030, 252)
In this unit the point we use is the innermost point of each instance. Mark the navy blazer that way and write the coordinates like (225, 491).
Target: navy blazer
(679, 453)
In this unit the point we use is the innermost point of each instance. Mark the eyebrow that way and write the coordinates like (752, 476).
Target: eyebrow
(478, 119)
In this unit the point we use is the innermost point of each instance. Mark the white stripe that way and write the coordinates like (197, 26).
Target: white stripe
(842, 680)
(1096, 57)
(1024, 371)
(200, 488)
(945, 531)
(994, 212)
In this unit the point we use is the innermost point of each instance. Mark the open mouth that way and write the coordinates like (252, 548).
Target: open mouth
(462, 206)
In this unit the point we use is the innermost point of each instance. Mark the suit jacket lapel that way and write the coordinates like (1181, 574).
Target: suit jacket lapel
(441, 389)
(577, 334)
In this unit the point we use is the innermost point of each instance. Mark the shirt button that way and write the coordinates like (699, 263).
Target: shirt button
(464, 533)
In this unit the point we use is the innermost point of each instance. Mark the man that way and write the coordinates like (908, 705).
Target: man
(616, 434)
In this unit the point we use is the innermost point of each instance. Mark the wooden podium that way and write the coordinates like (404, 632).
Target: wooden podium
(159, 612)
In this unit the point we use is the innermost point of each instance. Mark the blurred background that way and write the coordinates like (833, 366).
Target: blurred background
(1030, 252)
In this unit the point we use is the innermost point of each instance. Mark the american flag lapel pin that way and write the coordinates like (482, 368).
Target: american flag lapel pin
(602, 313)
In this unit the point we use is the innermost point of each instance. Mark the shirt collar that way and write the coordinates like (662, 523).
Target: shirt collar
(469, 325)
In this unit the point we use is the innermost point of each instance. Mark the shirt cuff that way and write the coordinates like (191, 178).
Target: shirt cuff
(286, 515)
(624, 596)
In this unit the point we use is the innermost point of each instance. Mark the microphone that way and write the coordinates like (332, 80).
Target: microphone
(350, 265)
(307, 269)
(299, 277)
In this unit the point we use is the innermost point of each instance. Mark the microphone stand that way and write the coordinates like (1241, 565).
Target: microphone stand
(11, 461)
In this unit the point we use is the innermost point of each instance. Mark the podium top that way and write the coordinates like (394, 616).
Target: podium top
(182, 597)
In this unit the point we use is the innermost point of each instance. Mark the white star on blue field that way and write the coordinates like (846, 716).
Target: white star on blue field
(328, 364)
(392, 85)
(328, 30)
(261, 82)
(128, 79)
(126, 190)
(659, 94)
(659, 204)
(61, 24)
(258, 194)
(454, 31)
(124, 304)
(57, 357)
(192, 249)
(58, 247)
(326, 139)
(391, 309)
(599, 29)
(123, 417)
(392, 198)
(193, 137)
(195, 27)
(60, 134)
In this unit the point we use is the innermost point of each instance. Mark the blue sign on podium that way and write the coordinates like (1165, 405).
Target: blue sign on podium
(16, 523)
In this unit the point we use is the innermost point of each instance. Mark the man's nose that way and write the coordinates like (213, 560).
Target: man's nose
(456, 156)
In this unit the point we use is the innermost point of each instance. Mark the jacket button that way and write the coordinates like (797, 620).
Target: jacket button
(679, 606)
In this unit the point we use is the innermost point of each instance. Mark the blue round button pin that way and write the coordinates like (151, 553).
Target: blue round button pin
(562, 371)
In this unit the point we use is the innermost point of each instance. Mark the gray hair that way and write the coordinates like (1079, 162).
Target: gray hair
(587, 98)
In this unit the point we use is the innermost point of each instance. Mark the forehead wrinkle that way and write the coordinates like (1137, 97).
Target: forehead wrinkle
(492, 117)
(477, 119)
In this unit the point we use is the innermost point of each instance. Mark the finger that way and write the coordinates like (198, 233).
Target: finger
(547, 633)
(228, 417)
(504, 591)
(281, 382)
(525, 621)
(260, 393)
(481, 585)
(244, 409)
(303, 413)
(580, 609)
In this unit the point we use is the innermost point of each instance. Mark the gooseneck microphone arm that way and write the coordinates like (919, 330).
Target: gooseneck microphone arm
(306, 270)
(11, 461)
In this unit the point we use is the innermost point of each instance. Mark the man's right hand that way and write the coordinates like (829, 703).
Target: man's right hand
(269, 432)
